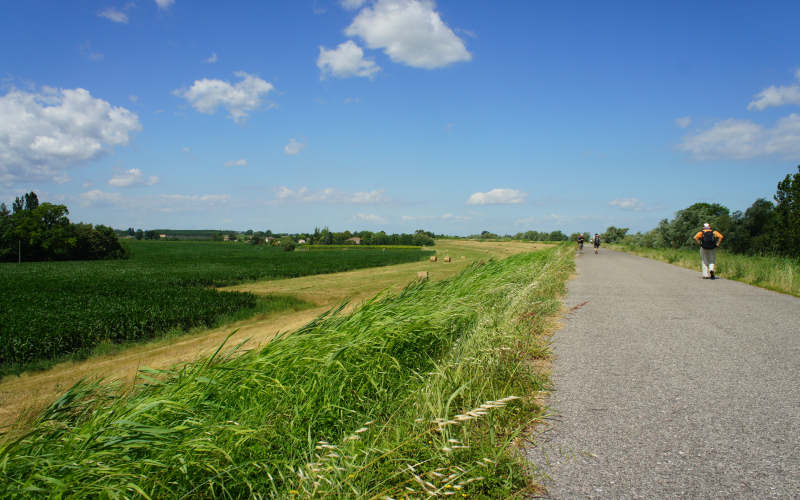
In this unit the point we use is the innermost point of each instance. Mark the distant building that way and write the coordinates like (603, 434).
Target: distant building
(162, 236)
(355, 240)
(301, 242)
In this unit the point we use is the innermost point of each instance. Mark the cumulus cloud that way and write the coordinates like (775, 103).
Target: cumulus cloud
(236, 163)
(409, 32)
(95, 197)
(132, 177)
(212, 58)
(113, 14)
(159, 203)
(345, 61)
(776, 96)
(743, 139)
(444, 217)
(207, 95)
(376, 219)
(43, 134)
(634, 204)
(164, 4)
(352, 4)
(294, 147)
(497, 197)
(683, 121)
(330, 195)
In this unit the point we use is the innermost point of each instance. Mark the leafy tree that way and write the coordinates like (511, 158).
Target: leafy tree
(614, 234)
(786, 230)
(557, 236)
(139, 234)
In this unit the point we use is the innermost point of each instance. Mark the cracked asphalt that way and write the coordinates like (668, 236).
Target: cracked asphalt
(670, 386)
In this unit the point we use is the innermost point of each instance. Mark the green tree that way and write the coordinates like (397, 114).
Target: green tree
(614, 234)
(786, 230)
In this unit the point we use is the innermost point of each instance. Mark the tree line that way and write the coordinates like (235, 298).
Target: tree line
(33, 231)
(765, 228)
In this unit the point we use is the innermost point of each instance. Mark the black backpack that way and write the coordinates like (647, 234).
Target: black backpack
(708, 240)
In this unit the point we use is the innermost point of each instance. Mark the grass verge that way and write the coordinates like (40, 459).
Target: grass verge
(781, 274)
(418, 394)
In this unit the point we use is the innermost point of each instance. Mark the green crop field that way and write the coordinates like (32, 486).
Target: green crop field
(52, 309)
(418, 394)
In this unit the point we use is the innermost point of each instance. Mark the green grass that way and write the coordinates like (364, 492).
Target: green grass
(781, 274)
(416, 394)
(49, 310)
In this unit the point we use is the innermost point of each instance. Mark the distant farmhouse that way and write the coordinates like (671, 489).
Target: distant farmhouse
(355, 240)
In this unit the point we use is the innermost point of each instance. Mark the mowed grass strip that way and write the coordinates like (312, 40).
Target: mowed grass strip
(418, 393)
(52, 309)
(780, 274)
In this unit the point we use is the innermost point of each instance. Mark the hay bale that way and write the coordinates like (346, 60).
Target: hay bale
(433, 258)
(447, 259)
(422, 275)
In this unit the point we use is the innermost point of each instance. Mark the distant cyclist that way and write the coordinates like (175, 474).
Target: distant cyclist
(596, 242)
(580, 242)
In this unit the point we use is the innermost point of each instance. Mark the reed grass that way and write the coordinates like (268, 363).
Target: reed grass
(781, 274)
(416, 394)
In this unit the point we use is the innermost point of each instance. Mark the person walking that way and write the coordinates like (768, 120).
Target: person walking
(596, 242)
(580, 243)
(709, 240)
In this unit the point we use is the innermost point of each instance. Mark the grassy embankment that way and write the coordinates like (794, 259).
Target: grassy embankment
(53, 310)
(411, 394)
(781, 274)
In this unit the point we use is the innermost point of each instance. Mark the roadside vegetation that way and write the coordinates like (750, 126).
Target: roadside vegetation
(49, 310)
(419, 393)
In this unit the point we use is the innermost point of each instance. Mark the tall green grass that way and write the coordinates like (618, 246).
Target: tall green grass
(416, 394)
(781, 274)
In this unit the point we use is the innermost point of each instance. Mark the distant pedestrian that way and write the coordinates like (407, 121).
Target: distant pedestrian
(580, 242)
(709, 241)
(596, 242)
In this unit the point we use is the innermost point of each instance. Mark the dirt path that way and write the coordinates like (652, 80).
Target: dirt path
(24, 395)
(670, 386)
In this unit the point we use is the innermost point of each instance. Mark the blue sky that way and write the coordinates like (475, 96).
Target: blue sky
(453, 116)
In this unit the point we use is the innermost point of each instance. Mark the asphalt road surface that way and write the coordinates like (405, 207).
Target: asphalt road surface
(671, 386)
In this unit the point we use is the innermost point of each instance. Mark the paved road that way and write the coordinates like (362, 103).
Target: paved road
(671, 386)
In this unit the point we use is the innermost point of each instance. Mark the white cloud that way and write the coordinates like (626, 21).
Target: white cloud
(237, 163)
(207, 95)
(683, 121)
(43, 134)
(497, 197)
(186, 149)
(345, 61)
(352, 100)
(776, 96)
(95, 197)
(634, 204)
(212, 58)
(330, 195)
(410, 32)
(133, 98)
(164, 4)
(113, 14)
(160, 203)
(743, 139)
(294, 147)
(377, 219)
(132, 177)
(444, 217)
(352, 4)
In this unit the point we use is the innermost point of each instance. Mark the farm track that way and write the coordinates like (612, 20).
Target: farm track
(22, 397)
